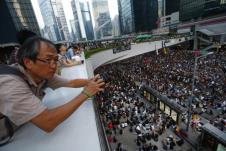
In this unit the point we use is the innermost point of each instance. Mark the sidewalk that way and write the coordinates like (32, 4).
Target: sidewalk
(192, 135)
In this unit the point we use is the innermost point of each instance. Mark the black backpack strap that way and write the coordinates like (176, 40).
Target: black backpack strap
(9, 128)
(5, 69)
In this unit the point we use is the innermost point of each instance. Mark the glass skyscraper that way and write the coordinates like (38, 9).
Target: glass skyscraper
(102, 19)
(73, 31)
(137, 16)
(54, 19)
(87, 19)
(78, 32)
(172, 6)
(126, 20)
(198, 9)
(16, 15)
(61, 19)
(161, 8)
(83, 20)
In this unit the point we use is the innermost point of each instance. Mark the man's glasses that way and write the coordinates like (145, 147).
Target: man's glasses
(49, 61)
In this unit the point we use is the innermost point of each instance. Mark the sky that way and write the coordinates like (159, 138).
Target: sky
(112, 4)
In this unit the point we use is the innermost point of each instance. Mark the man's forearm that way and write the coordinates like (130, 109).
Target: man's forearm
(78, 83)
(48, 120)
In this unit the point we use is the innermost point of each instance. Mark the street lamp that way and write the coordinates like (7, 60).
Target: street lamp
(193, 86)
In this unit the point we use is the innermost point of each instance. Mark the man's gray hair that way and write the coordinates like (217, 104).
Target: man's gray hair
(30, 49)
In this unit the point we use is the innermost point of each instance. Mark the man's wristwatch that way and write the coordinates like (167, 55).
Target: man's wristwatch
(86, 93)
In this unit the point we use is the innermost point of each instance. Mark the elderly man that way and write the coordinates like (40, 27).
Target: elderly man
(20, 99)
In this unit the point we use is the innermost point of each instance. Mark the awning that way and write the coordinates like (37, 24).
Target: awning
(144, 36)
(170, 102)
(215, 132)
(184, 30)
(213, 30)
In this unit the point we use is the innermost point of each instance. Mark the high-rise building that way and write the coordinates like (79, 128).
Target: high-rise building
(115, 26)
(167, 7)
(216, 7)
(171, 21)
(223, 2)
(126, 19)
(102, 19)
(61, 19)
(73, 31)
(191, 9)
(138, 16)
(198, 9)
(79, 32)
(171, 6)
(44, 32)
(83, 20)
(87, 19)
(161, 8)
(168, 16)
(54, 19)
(49, 19)
(16, 15)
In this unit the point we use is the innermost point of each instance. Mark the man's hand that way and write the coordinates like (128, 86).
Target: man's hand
(95, 85)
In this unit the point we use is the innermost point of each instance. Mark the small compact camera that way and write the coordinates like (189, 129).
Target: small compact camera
(105, 77)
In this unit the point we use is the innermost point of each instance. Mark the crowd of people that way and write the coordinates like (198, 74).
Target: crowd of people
(123, 111)
(121, 41)
(108, 44)
(170, 73)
